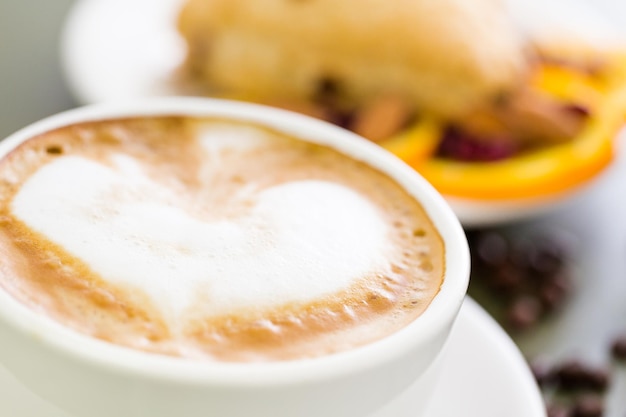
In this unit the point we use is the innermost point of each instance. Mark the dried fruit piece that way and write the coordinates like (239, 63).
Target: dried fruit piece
(558, 410)
(538, 119)
(461, 145)
(526, 276)
(524, 312)
(382, 118)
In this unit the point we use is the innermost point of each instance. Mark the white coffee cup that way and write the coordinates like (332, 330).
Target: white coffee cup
(92, 378)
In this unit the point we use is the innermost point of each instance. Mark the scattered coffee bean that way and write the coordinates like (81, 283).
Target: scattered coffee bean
(558, 410)
(507, 281)
(491, 250)
(526, 277)
(618, 348)
(599, 379)
(588, 405)
(570, 375)
(545, 258)
(576, 376)
(554, 291)
(575, 387)
(524, 312)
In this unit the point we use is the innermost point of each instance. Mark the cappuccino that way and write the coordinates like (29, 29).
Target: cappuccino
(212, 239)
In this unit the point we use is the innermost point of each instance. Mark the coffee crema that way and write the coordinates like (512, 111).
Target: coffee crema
(212, 239)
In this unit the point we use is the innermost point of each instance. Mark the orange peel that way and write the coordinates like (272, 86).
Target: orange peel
(541, 172)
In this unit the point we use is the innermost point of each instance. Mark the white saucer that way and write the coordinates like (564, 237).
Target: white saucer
(484, 375)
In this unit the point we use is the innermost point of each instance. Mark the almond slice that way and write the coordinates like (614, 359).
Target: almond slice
(382, 117)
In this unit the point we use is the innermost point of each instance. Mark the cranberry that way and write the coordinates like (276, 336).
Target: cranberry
(463, 146)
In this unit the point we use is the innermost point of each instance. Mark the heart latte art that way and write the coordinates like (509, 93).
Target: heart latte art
(212, 239)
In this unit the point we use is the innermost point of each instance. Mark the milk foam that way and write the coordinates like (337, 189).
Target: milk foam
(213, 239)
(298, 241)
(218, 137)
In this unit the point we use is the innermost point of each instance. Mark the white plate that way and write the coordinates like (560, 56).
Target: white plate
(484, 375)
(123, 49)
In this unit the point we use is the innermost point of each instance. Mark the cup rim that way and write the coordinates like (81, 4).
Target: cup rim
(441, 311)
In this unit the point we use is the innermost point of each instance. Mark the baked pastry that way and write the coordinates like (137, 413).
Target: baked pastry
(440, 55)
(452, 87)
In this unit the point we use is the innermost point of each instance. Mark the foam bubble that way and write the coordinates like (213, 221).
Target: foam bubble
(299, 240)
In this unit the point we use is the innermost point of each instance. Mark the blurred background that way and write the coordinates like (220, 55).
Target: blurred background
(31, 82)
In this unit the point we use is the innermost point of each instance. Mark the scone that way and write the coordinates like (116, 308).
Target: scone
(443, 56)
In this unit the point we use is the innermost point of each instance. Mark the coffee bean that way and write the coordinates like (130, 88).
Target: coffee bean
(524, 312)
(491, 250)
(545, 258)
(575, 376)
(618, 348)
(519, 253)
(507, 280)
(599, 379)
(588, 405)
(570, 375)
(558, 410)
